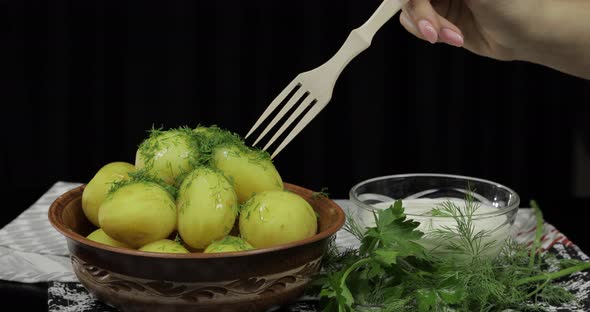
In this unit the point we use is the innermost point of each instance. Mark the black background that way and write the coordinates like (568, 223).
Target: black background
(82, 82)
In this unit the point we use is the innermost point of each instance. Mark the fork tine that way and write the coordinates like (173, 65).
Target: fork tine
(306, 102)
(273, 105)
(300, 125)
(294, 99)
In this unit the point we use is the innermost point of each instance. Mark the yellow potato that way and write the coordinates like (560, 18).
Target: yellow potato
(207, 207)
(168, 154)
(251, 171)
(276, 217)
(96, 190)
(228, 244)
(164, 246)
(100, 236)
(138, 213)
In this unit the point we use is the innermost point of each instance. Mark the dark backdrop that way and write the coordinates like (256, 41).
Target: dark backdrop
(82, 81)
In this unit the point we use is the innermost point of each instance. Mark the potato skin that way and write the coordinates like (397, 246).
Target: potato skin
(164, 246)
(100, 236)
(138, 213)
(276, 217)
(228, 244)
(96, 190)
(249, 172)
(207, 207)
(168, 155)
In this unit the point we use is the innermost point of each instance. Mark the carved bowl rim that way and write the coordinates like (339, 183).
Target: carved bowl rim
(58, 205)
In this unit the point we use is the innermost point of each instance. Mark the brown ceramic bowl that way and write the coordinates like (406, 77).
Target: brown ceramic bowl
(255, 280)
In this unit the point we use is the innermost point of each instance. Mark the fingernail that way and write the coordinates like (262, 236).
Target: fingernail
(428, 31)
(451, 37)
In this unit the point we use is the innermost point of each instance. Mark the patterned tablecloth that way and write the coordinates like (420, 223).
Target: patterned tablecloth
(32, 251)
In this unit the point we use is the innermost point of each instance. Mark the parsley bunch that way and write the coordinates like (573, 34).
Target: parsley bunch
(392, 271)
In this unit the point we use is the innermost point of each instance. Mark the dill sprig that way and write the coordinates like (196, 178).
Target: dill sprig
(178, 238)
(538, 232)
(323, 193)
(462, 238)
(352, 227)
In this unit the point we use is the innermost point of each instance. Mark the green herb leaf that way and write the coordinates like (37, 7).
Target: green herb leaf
(386, 256)
(426, 300)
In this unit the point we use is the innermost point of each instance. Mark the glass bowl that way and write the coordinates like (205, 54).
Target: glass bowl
(492, 207)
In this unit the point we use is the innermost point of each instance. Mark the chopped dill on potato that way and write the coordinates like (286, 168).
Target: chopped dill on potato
(142, 176)
(153, 143)
(168, 154)
(208, 138)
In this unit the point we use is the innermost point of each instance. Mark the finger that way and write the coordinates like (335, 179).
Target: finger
(404, 19)
(449, 33)
(423, 15)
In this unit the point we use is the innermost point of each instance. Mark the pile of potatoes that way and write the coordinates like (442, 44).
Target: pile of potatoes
(187, 190)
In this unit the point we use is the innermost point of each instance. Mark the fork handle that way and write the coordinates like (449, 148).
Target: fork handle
(360, 38)
(384, 13)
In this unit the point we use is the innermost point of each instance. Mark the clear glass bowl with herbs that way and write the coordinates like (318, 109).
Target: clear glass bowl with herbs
(445, 205)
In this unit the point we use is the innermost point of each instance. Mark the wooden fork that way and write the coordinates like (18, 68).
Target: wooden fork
(314, 88)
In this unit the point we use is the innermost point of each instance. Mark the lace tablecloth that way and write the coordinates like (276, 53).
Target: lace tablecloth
(32, 251)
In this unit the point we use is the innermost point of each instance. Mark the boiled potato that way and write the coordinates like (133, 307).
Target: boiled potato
(96, 190)
(168, 154)
(164, 246)
(211, 137)
(251, 171)
(100, 236)
(228, 244)
(138, 213)
(207, 207)
(276, 217)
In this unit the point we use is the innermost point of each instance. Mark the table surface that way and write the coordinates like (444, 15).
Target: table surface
(34, 296)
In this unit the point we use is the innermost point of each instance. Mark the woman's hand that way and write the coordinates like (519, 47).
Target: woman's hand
(547, 32)
(492, 28)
